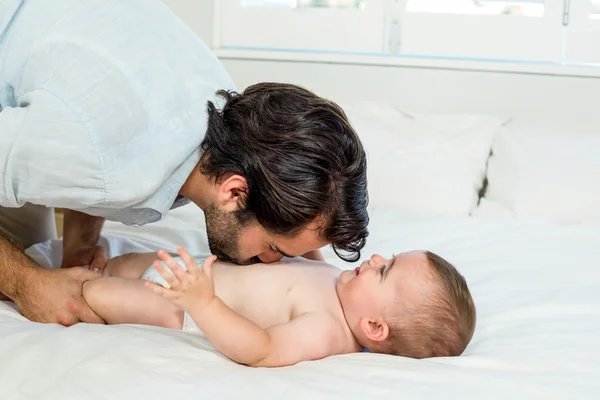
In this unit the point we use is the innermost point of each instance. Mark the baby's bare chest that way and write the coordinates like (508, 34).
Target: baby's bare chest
(270, 295)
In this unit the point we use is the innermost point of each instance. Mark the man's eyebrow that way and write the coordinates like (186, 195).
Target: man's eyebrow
(387, 271)
(277, 249)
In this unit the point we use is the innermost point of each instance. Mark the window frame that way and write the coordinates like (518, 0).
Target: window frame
(393, 49)
(363, 30)
(499, 37)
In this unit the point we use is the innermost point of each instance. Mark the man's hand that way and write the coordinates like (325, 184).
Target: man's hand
(94, 257)
(54, 296)
(80, 240)
(191, 289)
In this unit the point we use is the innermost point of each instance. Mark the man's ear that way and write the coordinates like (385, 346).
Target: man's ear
(232, 192)
(376, 330)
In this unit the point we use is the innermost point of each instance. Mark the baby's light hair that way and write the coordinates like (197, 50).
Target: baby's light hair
(440, 326)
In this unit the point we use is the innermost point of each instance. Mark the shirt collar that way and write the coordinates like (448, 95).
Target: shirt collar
(167, 196)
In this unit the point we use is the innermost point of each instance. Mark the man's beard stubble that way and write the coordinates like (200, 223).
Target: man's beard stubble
(224, 231)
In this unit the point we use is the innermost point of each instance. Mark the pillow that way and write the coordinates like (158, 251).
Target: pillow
(491, 210)
(424, 164)
(547, 170)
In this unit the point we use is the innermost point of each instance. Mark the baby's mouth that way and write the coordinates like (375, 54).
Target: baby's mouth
(356, 270)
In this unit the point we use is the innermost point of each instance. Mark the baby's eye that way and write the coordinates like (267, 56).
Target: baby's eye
(381, 270)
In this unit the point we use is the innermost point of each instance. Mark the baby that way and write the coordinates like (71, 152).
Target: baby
(415, 304)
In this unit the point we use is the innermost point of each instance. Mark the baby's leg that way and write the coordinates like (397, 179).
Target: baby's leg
(130, 266)
(127, 301)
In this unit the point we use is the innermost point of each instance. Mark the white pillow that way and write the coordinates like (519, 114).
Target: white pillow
(547, 170)
(491, 210)
(424, 164)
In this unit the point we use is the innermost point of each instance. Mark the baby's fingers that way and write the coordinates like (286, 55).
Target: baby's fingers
(188, 260)
(179, 273)
(161, 291)
(172, 281)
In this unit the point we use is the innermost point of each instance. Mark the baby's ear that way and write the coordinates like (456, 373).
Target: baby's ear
(376, 330)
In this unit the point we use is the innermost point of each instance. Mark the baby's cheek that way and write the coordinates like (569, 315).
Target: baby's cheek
(352, 292)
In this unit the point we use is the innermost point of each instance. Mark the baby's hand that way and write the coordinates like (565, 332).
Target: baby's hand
(191, 289)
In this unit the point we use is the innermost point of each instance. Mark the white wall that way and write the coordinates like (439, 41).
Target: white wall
(422, 89)
(431, 89)
(198, 14)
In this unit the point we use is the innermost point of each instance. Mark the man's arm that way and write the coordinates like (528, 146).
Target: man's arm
(80, 238)
(15, 268)
(36, 167)
(42, 295)
(307, 337)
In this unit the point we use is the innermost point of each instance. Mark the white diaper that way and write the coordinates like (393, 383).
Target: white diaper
(152, 275)
(188, 324)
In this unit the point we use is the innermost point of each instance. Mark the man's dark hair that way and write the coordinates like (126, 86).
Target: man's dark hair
(301, 158)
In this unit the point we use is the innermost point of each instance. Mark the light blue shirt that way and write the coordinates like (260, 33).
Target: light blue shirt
(103, 105)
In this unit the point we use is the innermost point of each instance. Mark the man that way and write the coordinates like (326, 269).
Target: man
(103, 112)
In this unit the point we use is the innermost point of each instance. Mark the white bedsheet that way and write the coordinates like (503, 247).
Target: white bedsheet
(536, 288)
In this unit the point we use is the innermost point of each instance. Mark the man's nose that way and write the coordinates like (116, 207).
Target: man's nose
(270, 257)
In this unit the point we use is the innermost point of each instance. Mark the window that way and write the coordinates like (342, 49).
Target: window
(595, 12)
(305, 3)
(533, 31)
(316, 25)
(532, 8)
(526, 30)
(583, 33)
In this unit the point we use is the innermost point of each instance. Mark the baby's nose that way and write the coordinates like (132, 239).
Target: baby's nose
(376, 260)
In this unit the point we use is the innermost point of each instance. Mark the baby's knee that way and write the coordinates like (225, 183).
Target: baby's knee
(93, 291)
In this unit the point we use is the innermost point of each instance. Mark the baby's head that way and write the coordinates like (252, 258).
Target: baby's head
(414, 305)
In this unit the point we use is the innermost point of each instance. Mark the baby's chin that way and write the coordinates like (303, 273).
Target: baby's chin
(341, 284)
(345, 277)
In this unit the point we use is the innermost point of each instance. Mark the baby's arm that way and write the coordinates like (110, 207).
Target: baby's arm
(307, 337)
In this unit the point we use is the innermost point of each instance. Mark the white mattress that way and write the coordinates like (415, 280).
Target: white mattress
(536, 288)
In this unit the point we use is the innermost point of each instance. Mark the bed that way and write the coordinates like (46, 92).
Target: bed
(533, 275)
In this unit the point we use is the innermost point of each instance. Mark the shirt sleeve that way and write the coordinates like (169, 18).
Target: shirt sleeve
(47, 156)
